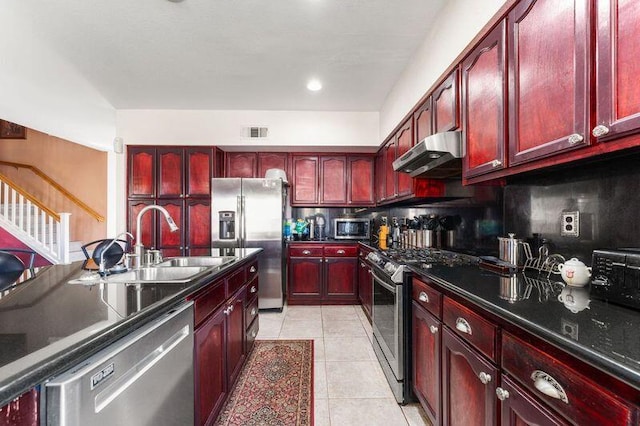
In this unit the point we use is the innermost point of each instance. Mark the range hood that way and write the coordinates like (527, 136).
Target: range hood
(436, 156)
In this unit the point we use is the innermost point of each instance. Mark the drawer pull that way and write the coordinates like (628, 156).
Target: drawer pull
(575, 138)
(254, 334)
(340, 251)
(600, 130)
(306, 252)
(502, 394)
(484, 377)
(496, 163)
(423, 297)
(463, 326)
(252, 269)
(549, 386)
(228, 310)
(253, 312)
(433, 329)
(362, 265)
(253, 289)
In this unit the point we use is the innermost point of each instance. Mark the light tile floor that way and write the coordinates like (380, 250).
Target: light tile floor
(349, 385)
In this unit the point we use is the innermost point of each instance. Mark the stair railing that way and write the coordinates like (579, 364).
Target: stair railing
(32, 222)
(97, 216)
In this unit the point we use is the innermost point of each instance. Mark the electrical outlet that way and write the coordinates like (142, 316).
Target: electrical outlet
(570, 224)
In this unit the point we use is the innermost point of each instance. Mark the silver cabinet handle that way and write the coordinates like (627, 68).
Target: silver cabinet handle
(502, 394)
(340, 251)
(253, 312)
(484, 377)
(600, 130)
(575, 138)
(254, 334)
(362, 265)
(496, 163)
(253, 289)
(252, 269)
(423, 297)
(227, 311)
(433, 329)
(306, 252)
(463, 326)
(549, 386)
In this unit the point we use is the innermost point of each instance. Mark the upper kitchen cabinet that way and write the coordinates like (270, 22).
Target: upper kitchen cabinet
(241, 164)
(333, 180)
(360, 179)
(484, 88)
(446, 106)
(272, 160)
(141, 172)
(404, 142)
(199, 166)
(379, 176)
(171, 172)
(305, 174)
(548, 78)
(390, 182)
(422, 120)
(218, 163)
(617, 69)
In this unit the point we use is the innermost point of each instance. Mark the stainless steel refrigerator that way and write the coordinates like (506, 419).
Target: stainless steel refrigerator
(247, 213)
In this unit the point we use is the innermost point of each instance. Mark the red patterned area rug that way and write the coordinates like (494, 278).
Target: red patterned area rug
(275, 387)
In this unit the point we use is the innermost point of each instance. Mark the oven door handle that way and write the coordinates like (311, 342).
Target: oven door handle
(391, 288)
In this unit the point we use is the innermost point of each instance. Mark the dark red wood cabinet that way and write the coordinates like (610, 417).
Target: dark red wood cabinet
(484, 102)
(199, 166)
(141, 172)
(422, 120)
(305, 172)
(272, 160)
(365, 285)
(241, 164)
(549, 84)
(341, 281)
(427, 371)
(360, 180)
(333, 180)
(22, 411)
(404, 142)
(518, 407)
(390, 150)
(171, 173)
(380, 176)
(446, 105)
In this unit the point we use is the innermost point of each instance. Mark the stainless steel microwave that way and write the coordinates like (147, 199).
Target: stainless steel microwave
(350, 229)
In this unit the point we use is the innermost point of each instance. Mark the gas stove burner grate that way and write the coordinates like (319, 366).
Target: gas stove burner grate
(426, 258)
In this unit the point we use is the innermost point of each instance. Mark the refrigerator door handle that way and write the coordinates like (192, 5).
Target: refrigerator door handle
(244, 222)
(239, 224)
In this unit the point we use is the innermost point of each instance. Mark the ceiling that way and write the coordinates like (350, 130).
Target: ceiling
(235, 54)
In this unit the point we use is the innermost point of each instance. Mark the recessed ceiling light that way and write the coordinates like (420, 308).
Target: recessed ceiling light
(314, 85)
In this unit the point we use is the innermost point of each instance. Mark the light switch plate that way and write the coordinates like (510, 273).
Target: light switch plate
(570, 224)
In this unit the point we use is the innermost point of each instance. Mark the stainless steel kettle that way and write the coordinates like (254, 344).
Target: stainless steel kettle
(513, 250)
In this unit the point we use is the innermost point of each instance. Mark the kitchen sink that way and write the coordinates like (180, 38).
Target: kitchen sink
(175, 274)
(189, 261)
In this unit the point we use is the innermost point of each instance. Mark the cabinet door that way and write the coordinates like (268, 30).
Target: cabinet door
(148, 222)
(365, 288)
(199, 165)
(305, 278)
(518, 407)
(170, 172)
(171, 243)
(142, 172)
(198, 226)
(341, 278)
(390, 188)
(484, 86)
(22, 411)
(380, 177)
(426, 362)
(422, 120)
(548, 78)
(241, 165)
(617, 68)
(445, 105)
(218, 163)
(235, 337)
(272, 160)
(360, 181)
(404, 142)
(210, 368)
(333, 180)
(305, 180)
(467, 401)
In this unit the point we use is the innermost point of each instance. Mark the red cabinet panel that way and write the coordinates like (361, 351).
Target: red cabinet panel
(365, 288)
(198, 224)
(148, 222)
(380, 176)
(548, 78)
(141, 168)
(404, 142)
(235, 335)
(519, 408)
(333, 180)
(199, 164)
(427, 372)
(390, 181)
(428, 298)
(272, 160)
(305, 171)
(305, 278)
(241, 164)
(484, 88)
(341, 278)
(360, 180)
(167, 239)
(218, 163)
(22, 411)
(170, 172)
(470, 326)
(445, 105)
(422, 120)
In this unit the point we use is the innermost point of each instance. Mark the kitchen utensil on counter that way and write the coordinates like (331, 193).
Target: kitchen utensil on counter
(575, 273)
(513, 250)
(320, 232)
(113, 252)
(383, 234)
(448, 231)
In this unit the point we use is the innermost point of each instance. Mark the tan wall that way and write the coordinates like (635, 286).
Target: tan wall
(79, 169)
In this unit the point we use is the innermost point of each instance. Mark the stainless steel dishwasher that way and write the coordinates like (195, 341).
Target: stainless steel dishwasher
(145, 378)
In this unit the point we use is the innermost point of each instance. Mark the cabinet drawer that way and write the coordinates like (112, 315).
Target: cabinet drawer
(252, 270)
(252, 289)
(305, 251)
(251, 311)
(235, 281)
(561, 387)
(471, 327)
(252, 332)
(341, 251)
(427, 297)
(207, 301)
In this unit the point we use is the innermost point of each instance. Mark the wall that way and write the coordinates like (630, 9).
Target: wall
(459, 21)
(605, 194)
(79, 169)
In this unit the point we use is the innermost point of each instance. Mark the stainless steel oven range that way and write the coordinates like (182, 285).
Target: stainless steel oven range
(391, 322)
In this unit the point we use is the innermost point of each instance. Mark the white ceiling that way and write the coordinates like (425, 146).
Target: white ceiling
(235, 54)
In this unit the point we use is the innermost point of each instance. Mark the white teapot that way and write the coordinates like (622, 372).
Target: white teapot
(575, 273)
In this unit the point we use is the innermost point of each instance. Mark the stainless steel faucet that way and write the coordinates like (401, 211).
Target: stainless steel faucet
(139, 248)
(102, 269)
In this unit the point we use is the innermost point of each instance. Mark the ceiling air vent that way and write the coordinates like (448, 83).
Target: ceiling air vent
(255, 132)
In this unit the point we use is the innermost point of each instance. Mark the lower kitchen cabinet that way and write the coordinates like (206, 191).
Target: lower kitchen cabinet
(320, 274)
(365, 288)
(235, 334)
(426, 369)
(518, 407)
(22, 411)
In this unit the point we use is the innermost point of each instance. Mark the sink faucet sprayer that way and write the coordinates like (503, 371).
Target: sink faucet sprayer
(139, 248)
(102, 269)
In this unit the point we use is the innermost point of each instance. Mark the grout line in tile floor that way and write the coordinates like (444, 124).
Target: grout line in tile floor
(349, 386)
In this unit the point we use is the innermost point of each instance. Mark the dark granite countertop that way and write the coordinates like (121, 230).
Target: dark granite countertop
(328, 241)
(47, 325)
(604, 335)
